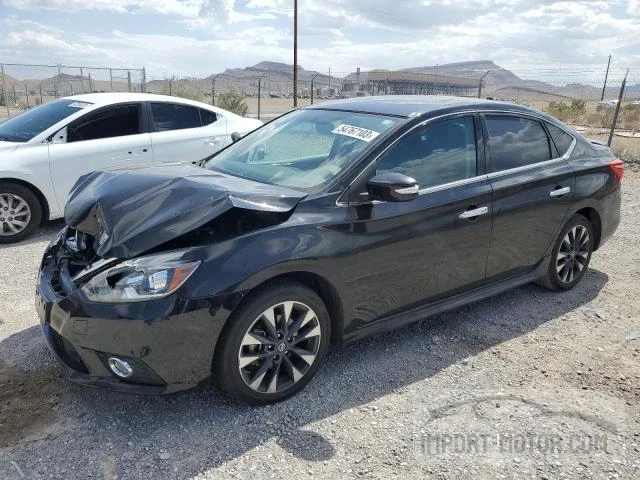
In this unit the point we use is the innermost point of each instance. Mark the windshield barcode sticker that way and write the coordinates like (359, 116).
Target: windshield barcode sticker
(355, 132)
(79, 105)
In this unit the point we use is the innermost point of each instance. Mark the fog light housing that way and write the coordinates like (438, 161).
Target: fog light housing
(120, 368)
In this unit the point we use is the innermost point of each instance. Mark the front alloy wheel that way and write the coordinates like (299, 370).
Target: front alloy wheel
(20, 212)
(15, 214)
(280, 347)
(273, 343)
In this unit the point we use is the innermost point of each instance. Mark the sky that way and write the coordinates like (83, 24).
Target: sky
(202, 37)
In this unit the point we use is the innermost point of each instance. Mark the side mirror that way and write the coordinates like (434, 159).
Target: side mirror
(235, 136)
(393, 187)
(60, 136)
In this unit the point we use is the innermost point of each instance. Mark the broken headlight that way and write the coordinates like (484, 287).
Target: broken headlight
(144, 278)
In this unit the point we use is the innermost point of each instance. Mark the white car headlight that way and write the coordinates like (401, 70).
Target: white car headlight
(144, 278)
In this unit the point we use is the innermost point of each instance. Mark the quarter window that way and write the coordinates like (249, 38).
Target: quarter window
(110, 122)
(171, 116)
(435, 154)
(516, 142)
(561, 138)
(207, 116)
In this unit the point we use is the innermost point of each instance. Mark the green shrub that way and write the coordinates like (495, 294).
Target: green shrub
(233, 101)
(182, 90)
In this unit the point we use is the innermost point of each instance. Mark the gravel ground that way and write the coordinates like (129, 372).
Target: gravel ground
(531, 384)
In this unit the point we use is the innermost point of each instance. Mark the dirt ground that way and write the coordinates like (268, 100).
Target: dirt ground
(531, 384)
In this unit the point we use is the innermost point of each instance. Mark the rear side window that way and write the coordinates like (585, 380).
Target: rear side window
(516, 142)
(561, 138)
(435, 154)
(171, 116)
(207, 117)
(110, 122)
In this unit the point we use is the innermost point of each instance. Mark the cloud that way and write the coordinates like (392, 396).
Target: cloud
(197, 37)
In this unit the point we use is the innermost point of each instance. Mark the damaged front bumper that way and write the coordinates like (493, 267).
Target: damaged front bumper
(168, 342)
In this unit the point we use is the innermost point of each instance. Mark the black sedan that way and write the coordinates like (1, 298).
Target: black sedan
(329, 224)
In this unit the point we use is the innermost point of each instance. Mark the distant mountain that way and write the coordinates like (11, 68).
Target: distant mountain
(475, 70)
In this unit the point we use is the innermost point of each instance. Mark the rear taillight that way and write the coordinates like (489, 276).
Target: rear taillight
(617, 167)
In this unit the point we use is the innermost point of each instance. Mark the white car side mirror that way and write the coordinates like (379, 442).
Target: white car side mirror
(60, 136)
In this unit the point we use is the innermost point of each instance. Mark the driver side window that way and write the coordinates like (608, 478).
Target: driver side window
(116, 121)
(435, 154)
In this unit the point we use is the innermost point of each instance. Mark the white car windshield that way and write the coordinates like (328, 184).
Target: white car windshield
(28, 124)
(303, 150)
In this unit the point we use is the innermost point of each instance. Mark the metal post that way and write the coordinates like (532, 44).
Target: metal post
(5, 94)
(169, 87)
(90, 86)
(606, 76)
(143, 86)
(111, 78)
(615, 114)
(329, 87)
(213, 90)
(41, 101)
(259, 94)
(295, 53)
(129, 80)
(480, 83)
(313, 81)
(81, 80)
(26, 92)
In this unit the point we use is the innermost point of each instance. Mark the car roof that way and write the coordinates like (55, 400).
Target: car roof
(107, 98)
(415, 105)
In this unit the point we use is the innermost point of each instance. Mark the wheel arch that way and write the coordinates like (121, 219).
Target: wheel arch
(318, 283)
(42, 200)
(593, 216)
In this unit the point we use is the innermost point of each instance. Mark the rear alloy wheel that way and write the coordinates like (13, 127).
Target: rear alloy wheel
(571, 255)
(274, 344)
(20, 212)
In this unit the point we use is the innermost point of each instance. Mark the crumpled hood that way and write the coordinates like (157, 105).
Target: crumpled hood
(132, 211)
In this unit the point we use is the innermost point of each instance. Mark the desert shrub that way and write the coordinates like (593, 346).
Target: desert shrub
(233, 101)
(560, 110)
(602, 118)
(183, 90)
(578, 107)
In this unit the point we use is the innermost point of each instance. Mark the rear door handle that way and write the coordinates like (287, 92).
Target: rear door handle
(558, 192)
(474, 212)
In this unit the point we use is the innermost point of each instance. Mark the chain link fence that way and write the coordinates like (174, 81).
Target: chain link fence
(578, 97)
(24, 86)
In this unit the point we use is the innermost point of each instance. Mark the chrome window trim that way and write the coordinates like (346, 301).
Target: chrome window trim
(457, 183)
(393, 144)
(531, 166)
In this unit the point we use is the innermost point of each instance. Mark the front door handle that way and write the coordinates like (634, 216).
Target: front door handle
(558, 192)
(212, 141)
(474, 212)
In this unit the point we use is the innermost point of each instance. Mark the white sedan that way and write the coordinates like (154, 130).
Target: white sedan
(44, 151)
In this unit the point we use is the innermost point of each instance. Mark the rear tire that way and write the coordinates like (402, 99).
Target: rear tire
(272, 344)
(20, 212)
(570, 256)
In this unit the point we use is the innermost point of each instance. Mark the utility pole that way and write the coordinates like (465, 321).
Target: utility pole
(295, 53)
(606, 76)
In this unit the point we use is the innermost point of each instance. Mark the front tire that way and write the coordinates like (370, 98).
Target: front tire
(20, 212)
(570, 256)
(273, 344)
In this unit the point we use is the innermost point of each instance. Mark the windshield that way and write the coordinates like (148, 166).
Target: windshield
(303, 150)
(30, 123)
